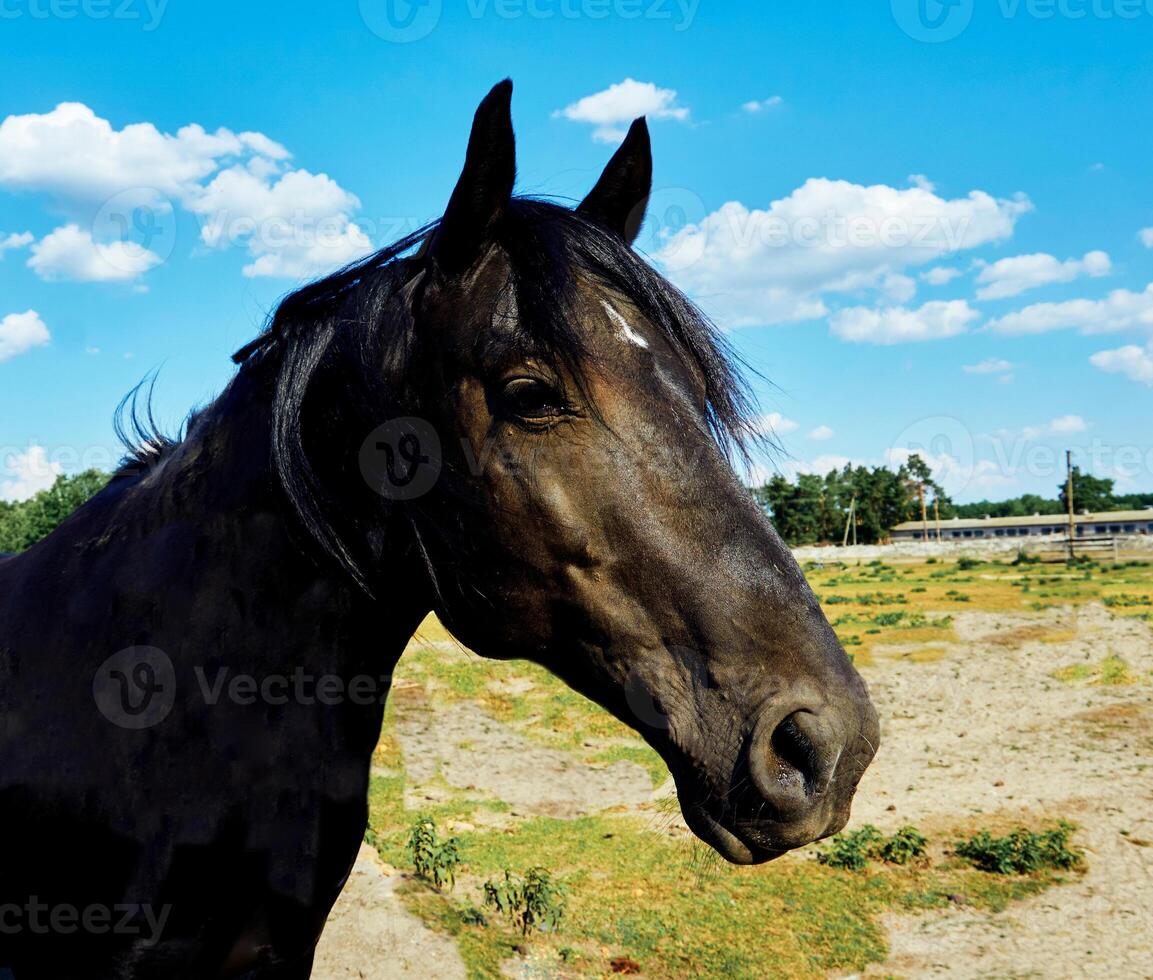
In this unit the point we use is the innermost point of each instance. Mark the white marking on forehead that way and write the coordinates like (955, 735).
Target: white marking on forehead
(627, 334)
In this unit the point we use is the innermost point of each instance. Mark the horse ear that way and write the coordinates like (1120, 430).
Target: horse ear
(619, 199)
(485, 185)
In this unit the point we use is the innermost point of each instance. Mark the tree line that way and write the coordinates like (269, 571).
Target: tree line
(808, 510)
(813, 509)
(24, 522)
(1090, 493)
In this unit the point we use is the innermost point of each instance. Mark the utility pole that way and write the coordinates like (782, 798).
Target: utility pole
(937, 517)
(851, 522)
(924, 513)
(1069, 502)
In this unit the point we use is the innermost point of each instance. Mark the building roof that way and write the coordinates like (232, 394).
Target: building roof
(1105, 517)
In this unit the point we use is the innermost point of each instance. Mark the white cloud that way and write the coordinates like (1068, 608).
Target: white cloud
(757, 105)
(20, 332)
(1146, 236)
(775, 424)
(1009, 277)
(14, 241)
(621, 103)
(70, 254)
(898, 325)
(75, 155)
(1068, 424)
(1065, 425)
(1122, 309)
(897, 288)
(293, 223)
(941, 275)
(821, 433)
(957, 475)
(1135, 363)
(30, 472)
(776, 265)
(991, 365)
(822, 465)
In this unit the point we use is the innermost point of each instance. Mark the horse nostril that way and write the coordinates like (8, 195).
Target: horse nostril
(799, 761)
(794, 749)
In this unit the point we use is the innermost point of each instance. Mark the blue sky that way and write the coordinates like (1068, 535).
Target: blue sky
(923, 224)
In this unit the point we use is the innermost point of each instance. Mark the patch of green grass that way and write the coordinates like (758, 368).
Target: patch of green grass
(1124, 600)
(642, 893)
(669, 904)
(1110, 671)
(641, 754)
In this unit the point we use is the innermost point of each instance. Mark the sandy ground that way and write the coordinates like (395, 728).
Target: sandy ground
(987, 730)
(466, 749)
(986, 734)
(370, 935)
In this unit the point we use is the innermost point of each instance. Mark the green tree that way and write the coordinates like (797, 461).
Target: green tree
(815, 509)
(1090, 493)
(25, 522)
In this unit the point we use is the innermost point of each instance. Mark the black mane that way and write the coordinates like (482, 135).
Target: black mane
(363, 313)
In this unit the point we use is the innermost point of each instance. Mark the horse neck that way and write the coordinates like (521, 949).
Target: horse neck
(257, 569)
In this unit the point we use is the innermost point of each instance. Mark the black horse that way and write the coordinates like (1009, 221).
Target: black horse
(508, 418)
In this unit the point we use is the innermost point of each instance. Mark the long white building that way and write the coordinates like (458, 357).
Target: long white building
(1088, 525)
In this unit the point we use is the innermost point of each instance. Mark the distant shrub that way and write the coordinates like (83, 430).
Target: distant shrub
(435, 860)
(1022, 851)
(534, 901)
(968, 564)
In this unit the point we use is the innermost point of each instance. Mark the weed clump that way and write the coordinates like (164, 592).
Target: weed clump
(853, 851)
(435, 860)
(535, 901)
(1021, 852)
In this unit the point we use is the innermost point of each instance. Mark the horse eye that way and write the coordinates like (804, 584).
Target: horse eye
(533, 399)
